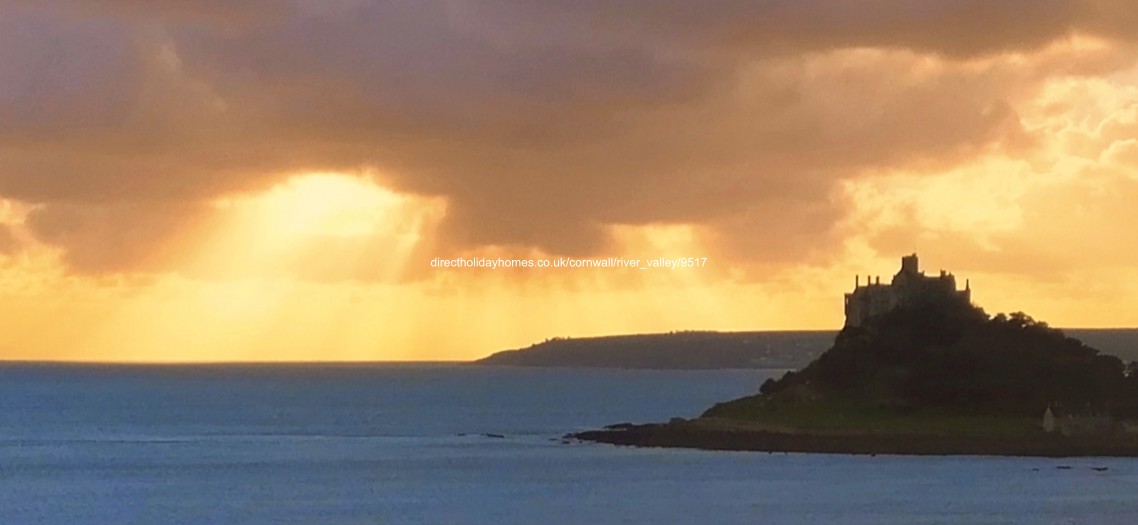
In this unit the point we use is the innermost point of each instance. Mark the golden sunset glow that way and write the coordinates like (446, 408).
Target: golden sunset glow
(185, 189)
(319, 204)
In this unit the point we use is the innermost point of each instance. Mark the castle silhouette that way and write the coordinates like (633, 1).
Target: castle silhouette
(909, 284)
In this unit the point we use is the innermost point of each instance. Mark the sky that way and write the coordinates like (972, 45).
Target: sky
(265, 180)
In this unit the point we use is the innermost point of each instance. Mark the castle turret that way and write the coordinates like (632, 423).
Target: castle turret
(910, 264)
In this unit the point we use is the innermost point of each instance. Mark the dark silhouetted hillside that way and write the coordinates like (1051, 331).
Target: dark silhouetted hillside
(948, 356)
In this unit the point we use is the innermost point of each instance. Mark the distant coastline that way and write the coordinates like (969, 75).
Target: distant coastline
(697, 350)
(702, 350)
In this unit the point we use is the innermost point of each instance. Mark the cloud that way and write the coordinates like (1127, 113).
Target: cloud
(1060, 208)
(142, 237)
(9, 244)
(540, 125)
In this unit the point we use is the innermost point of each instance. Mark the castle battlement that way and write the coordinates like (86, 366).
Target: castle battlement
(874, 298)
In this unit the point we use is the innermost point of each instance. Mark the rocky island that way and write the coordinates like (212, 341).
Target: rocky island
(919, 369)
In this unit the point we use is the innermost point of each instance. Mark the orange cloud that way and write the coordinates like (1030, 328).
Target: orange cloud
(160, 165)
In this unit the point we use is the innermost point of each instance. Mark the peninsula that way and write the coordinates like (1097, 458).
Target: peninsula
(676, 350)
(918, 369)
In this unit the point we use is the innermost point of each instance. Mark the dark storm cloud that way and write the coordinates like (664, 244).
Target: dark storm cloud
(541, 123)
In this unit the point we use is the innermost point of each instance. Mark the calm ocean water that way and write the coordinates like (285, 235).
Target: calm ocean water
(408, 444)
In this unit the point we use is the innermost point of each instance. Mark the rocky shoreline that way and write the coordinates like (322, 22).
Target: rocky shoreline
(694, 436)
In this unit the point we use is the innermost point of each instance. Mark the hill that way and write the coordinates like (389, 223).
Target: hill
(930, 377)
(952, 358)
(676, 350)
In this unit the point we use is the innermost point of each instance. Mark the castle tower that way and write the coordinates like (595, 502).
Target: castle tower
(910, 264)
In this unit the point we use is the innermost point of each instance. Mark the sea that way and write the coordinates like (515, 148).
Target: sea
(451, 443)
